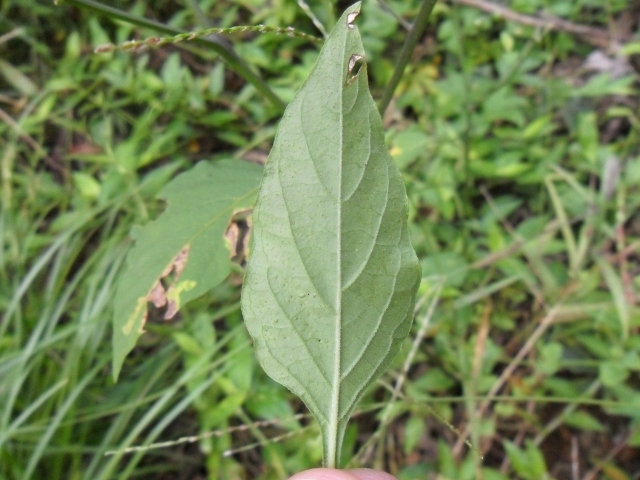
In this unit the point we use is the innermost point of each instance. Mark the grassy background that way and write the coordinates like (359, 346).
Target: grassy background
(519, 146)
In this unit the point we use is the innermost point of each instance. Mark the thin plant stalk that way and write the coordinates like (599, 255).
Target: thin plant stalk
(221, 46)
(417, 29)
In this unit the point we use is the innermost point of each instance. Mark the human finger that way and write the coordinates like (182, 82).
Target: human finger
(333, 474)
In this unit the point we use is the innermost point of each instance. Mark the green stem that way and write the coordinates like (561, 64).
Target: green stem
(221, 46)
(468, 106)
(419, 25)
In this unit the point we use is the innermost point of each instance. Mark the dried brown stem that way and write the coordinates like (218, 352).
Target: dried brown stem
(617, 448)
(526, 348)
(598, 37)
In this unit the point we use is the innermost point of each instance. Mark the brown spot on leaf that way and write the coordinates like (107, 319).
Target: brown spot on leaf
(350, 19)
(160, 294)
(157, 295)
(237, 236)
(180, 261)
(172, 309)
(353, 62)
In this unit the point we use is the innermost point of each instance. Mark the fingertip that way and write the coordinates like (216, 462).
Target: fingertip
(368, 474)
(333, 474)
(324, 474)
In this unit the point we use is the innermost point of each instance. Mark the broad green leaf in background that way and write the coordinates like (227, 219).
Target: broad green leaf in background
(186, 241)
(330, 286)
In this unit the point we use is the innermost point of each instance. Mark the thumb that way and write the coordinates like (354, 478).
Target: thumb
(333, 474)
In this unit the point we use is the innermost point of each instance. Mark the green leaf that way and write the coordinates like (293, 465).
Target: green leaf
(17, 79)
(529, 463)
(634, 440)
(187, 239)
(504, 104)
(519, 459)
(602, 84)
(330, 286)
(584, 421)
(550, 359)
(614, 282)
(408, 146)
(413, 433)
(537, 465)
(612, 373)
(448, 268)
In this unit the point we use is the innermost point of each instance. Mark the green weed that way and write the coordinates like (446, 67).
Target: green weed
(522, 173)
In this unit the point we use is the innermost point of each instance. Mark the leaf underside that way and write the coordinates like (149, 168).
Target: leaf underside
(330, 287)
(186, 241)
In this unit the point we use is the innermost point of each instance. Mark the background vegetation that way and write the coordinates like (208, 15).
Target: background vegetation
(516, 127)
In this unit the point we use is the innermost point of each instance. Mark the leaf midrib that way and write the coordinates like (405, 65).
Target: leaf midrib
(337, 374)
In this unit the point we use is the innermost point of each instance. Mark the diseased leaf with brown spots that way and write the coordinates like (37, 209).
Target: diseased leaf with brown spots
(331, 280)
(183, 253)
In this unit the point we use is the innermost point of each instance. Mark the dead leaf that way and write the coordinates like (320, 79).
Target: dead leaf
(616, 65)
(84, 148)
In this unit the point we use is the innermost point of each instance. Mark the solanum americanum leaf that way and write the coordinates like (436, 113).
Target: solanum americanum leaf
(330, 286)
(184, 247)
